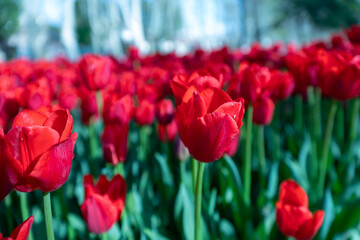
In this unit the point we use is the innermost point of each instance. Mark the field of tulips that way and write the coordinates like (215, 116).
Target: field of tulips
(227, 144)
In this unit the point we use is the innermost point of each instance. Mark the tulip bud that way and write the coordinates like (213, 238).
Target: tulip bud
(165, 111)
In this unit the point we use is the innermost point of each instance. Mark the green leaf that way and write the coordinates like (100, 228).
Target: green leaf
(154, 235)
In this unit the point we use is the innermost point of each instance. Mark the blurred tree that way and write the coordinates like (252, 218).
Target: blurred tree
(9, 12)
(83, 31)
(325, 13)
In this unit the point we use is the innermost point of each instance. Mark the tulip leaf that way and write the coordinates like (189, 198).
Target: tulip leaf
(329, 209)
(165, 171)
(154, 235)
(298, 173)
(273, 180)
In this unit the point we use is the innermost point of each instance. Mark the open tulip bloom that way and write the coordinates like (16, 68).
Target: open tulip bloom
(21, 232)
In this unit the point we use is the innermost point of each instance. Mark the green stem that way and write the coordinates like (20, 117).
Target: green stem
(99, 103)
(354, 120)
(9, 218)
(199, 181)
(317, 113)
(119, 169)
(48, 216)
(144, 137)
(70, 229)
(340, 125)
(103, 236)
(25, 210)
(261, 146)
(93, 146)
(247, 166)
(194, 169)
(298, 114)
(315, 131)
(326, 146)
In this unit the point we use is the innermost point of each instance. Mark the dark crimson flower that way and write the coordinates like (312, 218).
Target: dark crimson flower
(168, 132)
(340, 75)
(114, 142)
(38, 150)
(5, 186)
(104, 202)
(199, 79)
(263, 111)
(89, 108)
(165, 111)
(118, 109)
(96, 71)
(21, 232)
(145, 113)
(353, 34)
(282, 85)
(293, 216)
(208, 122)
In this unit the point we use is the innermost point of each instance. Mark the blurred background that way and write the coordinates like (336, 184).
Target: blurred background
(48, 28)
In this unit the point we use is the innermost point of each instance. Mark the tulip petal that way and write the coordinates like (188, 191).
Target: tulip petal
(52, 168)
(291, 193)
(235, 109)
(5, 186)
(29, 117)
(117, 192)
(99, 213)
(310, 227)
(289, 218)
(22, 231)
(214, 134)
(213, 98)
(62, 122)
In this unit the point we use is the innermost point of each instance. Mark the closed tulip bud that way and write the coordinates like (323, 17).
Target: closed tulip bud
(118, 109)
(293, 216)
(263, 111)
(145, 113)
(104, 202)
(22, 231)
(96, 71)
(114, 142)
(38, 150)
(165, 111)
(208, 122)
(168, 132)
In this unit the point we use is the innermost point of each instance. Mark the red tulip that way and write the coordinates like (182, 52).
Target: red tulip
(208, 122)
(96, 71)
(21, 232)
(199, 79)
(233, 147)
(38, 150)
(353, 34)
(145, 112)
(104, 202)
(282, 85)
(165, 111)
(263, 111)
(118, 109)
(168, 132)
(5, 186)
(114, 142)
(293, 216)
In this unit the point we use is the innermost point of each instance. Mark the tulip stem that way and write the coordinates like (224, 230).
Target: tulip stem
(298, 114)
(353, 128)
(315, 132)
(247, 166)
(261, 146)
(326, 146)
(25, 210)
(103, 236)
(199, 181)
(317, 113)
(9, 219)
(119, 169)
(99, 103)
(193, 172)
(48, 216)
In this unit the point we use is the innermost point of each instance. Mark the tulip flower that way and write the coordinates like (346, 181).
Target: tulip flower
(96, 71)
(168, 132)
(165, 111)
(208, 122)
(145, 113)
(114, 143)
(5, 186)
(293, 216)
(118, 109)
(199, 79)
(22, 231)
(38, 150)
(104, 202)
(353, 33)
